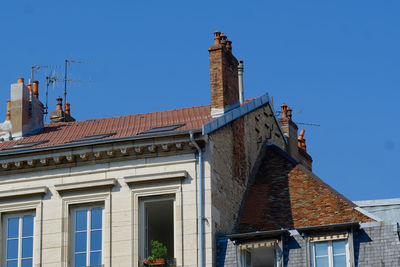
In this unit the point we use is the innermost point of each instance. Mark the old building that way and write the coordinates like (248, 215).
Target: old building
(225, 184)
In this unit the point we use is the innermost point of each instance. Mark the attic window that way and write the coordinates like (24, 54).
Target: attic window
(26, 145)
(92, 137)
(163, 128)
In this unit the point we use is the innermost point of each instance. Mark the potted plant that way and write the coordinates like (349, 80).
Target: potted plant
(158, 254)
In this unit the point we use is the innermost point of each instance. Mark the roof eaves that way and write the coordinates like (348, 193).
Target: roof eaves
(96, 142)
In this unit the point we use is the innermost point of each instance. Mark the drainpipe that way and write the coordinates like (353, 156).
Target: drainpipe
(240, 76)
(201, 200)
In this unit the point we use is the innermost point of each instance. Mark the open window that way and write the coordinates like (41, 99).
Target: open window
(259, 257)
(157, 224)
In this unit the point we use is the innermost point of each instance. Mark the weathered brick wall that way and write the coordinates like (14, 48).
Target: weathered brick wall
(234, 150)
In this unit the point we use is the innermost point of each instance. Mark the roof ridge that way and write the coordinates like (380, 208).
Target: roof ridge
(130, 115)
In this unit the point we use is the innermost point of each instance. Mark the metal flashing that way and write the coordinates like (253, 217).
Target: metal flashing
(234, 114)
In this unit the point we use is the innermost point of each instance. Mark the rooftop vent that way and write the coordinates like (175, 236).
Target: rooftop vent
(163, 128)
(93, 137)
(26, 145)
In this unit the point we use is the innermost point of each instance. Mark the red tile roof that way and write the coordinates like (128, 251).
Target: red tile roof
(124, 126)
(285, 195)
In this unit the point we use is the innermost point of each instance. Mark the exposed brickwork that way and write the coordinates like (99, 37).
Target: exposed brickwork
(223, 77)
(286, 195)
(239, 155)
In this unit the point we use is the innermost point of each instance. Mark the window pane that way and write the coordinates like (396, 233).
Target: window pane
(321, 249)
(95, 240)
(27, 226)
(13, 225)
(80, 260)
(12, 263)
(339, 261)
(95, 258)
(339, 247)
(80, 242)
(27, 247)
(26, 263)
(81, 220)
(96, 219)
(322, 262)
(12, 249)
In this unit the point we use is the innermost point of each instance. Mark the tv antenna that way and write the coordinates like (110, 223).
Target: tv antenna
(35, 68)
(67, 63)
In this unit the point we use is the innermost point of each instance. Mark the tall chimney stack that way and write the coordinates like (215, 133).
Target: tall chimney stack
(290, 131)
(223, 76)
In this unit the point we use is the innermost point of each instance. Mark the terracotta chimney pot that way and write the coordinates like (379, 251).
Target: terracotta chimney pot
(223, 38)
(289, 113)
(20, 80)
(229, 45)
(59, 103)
(283, 110)
(217, 37)
(35, 88)
(67, 108)
(8, 115)
(29, 87)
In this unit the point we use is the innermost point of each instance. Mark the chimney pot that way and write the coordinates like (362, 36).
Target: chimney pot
(20, 80)
(217, 37)
(29, 87)
(8, 115)
(223, 38)
(67, 108)
(289, 113)
(59, 103)
(283, 110)
(229, 45)
(35, 88)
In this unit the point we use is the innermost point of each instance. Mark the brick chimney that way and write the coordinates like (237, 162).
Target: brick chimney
(59, 115)
(290, 131)
(223, 76)
(26, 110)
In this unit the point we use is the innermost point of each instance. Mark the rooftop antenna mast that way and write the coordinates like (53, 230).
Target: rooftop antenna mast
(35, 68)
(67, 63)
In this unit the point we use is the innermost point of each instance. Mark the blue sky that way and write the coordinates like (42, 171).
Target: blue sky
(335, 63)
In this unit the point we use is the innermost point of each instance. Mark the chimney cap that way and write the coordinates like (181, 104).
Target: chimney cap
(20, 80)
(59, 103)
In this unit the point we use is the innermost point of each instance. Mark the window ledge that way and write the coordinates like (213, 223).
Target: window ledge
(106, 183)
(42, 190)
(156, 177)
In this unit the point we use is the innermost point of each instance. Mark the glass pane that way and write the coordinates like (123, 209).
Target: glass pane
(339, 247)
(321, 249)
(96, 220)
(95, 240)
(27, 226)
(80, 242)
(13, 225)
(322, 262)
(339, 261)
(27, 247)
(12, 263)
(81, 220)
(26, 263)
(12, 249)
(95, 258)
(80, 260)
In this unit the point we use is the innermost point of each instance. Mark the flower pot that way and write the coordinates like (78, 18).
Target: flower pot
(157, 262)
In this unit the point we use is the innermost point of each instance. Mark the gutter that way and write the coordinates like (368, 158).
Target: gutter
(201, 200)
(95, 142)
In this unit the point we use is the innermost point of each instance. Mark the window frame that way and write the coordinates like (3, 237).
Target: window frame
(330, 251)
(20, 215)
(87, 207)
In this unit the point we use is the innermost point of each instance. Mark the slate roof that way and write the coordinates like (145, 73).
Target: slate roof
(285, 195)
(124, 126)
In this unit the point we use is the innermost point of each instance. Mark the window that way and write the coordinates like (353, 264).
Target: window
(158, 225)
(333, 253)
(18, 238)
(87, 231)
(259, 257)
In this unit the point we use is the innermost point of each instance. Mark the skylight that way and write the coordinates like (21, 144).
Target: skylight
(25, 145)
(162, 129)
(92, 137)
